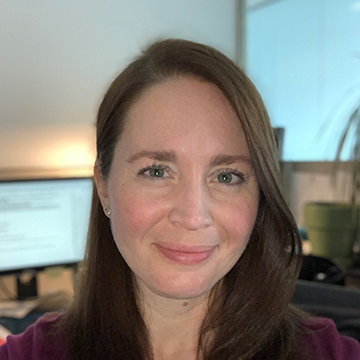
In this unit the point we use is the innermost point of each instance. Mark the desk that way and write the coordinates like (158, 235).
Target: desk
(55, 302)
(17, 326)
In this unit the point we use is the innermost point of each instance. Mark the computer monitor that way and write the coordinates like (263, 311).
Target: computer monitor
(43, 223)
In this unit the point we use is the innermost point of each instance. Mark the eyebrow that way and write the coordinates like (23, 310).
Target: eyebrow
(155, 155)
(224, 159)
(170, 156)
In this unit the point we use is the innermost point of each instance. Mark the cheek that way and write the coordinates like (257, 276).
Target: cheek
(133, 213)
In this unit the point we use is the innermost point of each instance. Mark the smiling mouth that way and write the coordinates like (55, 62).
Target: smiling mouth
(186, 255)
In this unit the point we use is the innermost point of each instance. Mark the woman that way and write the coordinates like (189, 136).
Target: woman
(192, 251)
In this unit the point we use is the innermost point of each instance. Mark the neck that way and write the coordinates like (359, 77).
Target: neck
(173, 324)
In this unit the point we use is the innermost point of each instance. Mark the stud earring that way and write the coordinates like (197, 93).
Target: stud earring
(107, 211)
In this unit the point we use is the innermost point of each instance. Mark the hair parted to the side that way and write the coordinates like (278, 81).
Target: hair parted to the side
(249, 316)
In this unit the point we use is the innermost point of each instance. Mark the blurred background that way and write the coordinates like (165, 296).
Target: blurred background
(58, 58)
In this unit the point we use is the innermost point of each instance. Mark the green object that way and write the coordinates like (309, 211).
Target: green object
(332, 230)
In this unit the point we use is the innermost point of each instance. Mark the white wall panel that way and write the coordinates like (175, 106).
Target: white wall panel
(58, 57)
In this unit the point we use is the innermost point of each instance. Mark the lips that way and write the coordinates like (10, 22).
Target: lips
(186, 255)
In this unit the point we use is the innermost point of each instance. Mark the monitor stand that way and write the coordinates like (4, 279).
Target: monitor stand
(26, 288)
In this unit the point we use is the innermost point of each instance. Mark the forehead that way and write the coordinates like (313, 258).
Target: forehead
(182, 113)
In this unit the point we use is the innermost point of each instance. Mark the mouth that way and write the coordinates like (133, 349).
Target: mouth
(185, 255)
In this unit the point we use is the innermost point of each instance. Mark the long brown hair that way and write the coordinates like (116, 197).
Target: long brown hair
(249, 315)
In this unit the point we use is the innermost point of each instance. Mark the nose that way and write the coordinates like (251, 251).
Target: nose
(191, 207)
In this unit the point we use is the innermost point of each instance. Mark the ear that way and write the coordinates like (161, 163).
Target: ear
(101, 187)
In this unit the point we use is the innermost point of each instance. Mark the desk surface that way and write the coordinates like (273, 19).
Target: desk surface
(17, 326)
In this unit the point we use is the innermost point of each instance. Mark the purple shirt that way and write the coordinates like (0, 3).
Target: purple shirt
(323, 343)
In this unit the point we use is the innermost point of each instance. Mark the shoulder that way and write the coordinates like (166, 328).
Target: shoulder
(322, 341)
(38, 342)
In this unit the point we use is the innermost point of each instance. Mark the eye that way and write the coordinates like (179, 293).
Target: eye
(225, 178)
(154, 172)
(230, 177)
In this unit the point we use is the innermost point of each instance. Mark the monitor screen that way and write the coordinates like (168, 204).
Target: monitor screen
(43, 222)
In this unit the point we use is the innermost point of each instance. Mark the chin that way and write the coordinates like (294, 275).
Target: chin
(181, 290)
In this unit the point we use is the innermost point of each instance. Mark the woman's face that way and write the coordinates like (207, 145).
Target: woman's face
(182, 192)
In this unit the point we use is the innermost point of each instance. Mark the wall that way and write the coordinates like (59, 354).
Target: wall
(312, 182)
(58, 58)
